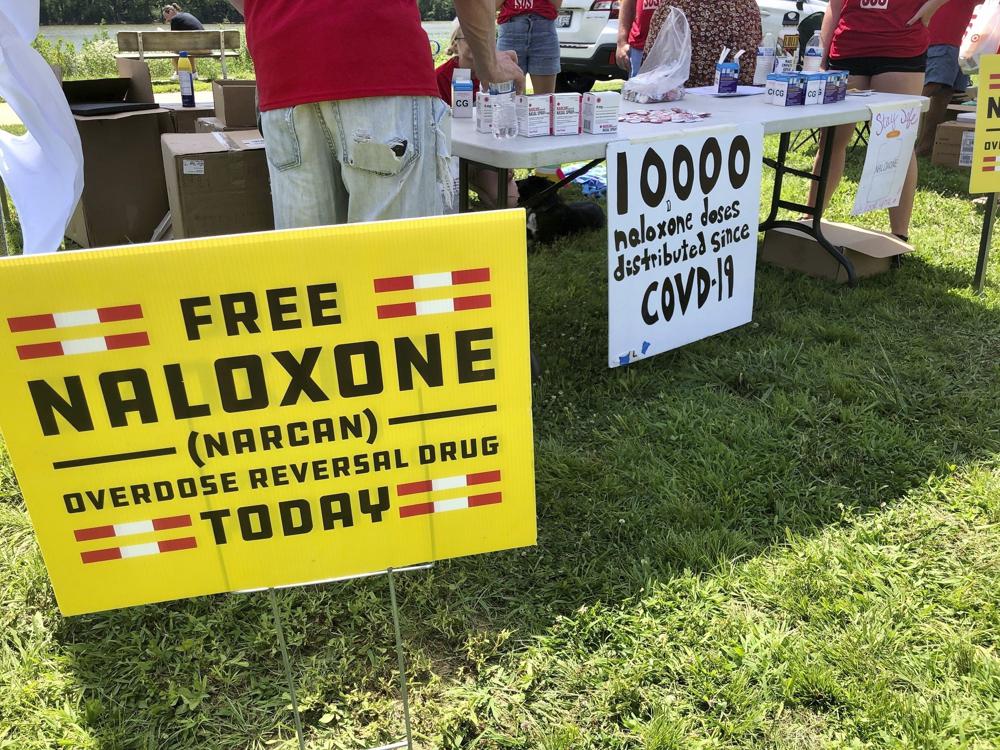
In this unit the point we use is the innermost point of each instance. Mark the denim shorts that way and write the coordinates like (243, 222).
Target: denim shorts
(535, 41)
(943, 67)
(359, 160)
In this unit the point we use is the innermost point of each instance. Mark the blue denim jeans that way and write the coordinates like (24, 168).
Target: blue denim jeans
(359, 160)
(535, 41)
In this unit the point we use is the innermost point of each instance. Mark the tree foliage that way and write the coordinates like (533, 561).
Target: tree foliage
(72, 12)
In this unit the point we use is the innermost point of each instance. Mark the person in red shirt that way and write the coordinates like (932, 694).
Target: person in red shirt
(883, 46)
(944, 76)
(633, 27)
(482, 180)
(358, 141)
(528, 29)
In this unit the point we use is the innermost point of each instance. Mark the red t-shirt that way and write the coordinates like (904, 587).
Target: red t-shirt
(512, 8)
(307, 50)
(644, 10)
(948, 25)
(877, 28)
(444, 75)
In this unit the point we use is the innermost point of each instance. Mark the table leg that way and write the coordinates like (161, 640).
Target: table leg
(463, 186)
(816, 212)
(503, 176)
(984, 243)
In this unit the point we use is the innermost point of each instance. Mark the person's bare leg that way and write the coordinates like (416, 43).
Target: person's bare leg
(543, 84)
(841, 140)
(940, 96)
(902, 83)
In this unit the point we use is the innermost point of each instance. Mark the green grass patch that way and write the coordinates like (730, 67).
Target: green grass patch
(786, 537)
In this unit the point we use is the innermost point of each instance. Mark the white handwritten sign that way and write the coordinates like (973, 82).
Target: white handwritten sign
(682, 238)
(893, 134)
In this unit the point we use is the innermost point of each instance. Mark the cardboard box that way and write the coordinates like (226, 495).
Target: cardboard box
(462, 93)
(949, 141)
(600, 112)
(185, 118)
(533, 115)
(484, 113)
(871, 252)
(566, 114)
(124, 195)
(814, 87)
(236, 103)
(217, 183)
(213, 125)
(786, 89)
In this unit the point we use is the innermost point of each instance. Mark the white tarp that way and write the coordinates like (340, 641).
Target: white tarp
(43, 169)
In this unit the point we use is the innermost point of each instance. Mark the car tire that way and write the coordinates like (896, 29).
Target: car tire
(576, 83)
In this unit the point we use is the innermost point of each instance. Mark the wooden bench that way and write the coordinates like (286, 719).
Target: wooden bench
(160, 45)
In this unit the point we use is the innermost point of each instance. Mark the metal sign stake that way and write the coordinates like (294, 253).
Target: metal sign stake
(401, 657)
(984, 243)
(288, 667)
(400, 652)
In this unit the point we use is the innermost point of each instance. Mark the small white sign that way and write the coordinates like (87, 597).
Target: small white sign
(893, 135)
(194, 166)
(683, 215)
(968, 147)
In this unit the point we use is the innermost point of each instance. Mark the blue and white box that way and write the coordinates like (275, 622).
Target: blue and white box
(727, 78)
(814, 87)
(788, 89)
(461, 93)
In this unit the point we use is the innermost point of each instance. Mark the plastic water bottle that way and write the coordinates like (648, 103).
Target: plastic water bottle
(765, 60)
(185, 75)
(814, 55)
(504, 110)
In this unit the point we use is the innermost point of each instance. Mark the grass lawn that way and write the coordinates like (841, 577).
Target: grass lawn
(784, 537)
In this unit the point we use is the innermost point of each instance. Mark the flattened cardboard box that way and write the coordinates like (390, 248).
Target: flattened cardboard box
(236, 103)
(217, 183)
(870, 252)
(124, 195)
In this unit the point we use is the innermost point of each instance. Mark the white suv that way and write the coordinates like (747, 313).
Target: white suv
(588, 36)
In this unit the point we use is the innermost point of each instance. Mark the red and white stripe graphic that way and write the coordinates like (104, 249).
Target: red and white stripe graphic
(994, 81)
(448, 483)
(455, 503)
(74, 318)
(139, 550)
(83, 346)
(990, 164)
(432, 280)
(434, 306)
(134, 527)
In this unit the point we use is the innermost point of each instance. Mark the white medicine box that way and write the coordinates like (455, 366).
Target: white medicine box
(533, 115)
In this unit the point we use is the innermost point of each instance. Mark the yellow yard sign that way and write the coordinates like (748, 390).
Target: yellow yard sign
(227, 414)
(986, 152)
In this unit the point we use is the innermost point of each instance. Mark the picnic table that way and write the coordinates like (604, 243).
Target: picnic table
(472, 147)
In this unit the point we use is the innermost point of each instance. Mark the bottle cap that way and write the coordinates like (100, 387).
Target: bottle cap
(503, 87)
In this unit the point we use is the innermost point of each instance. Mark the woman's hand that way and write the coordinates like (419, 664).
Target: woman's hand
(621, 56)
(926, 12)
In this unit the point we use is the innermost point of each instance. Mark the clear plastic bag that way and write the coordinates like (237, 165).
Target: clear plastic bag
(982, 37)
(667, 65)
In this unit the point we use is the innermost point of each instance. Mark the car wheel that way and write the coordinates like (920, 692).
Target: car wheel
(577, 83)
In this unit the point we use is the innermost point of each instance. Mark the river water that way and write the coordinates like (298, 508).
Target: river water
(77, 35)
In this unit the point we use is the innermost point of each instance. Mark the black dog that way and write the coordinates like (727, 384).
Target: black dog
(551, 217)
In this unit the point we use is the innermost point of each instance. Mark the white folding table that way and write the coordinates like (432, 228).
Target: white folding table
(473, 147)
